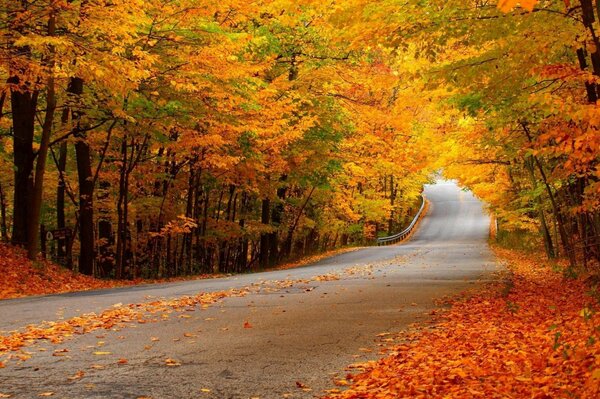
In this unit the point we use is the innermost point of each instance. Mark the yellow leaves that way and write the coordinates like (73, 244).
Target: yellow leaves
(341, 383)
(327, 277)
(102, 353)
(45, 394)
(172, 362)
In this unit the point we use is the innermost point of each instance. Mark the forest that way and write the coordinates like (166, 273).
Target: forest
(192, 194)
(174, 137)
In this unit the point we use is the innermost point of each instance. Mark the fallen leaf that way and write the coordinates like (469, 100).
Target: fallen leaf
(100, 353)
(172, 362)
(77, 376)
(46, 394)
(247, 325)
(122, 361)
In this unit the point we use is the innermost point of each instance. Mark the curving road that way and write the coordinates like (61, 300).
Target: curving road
(301, 336)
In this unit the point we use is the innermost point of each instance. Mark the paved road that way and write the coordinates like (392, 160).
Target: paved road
(307, 333)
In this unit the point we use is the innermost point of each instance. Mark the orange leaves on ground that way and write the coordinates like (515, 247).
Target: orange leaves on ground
(56, 332)
(327, 277)
(77, 376)
(536, 335)
(172, 362)
(20, 277)
(247, 324)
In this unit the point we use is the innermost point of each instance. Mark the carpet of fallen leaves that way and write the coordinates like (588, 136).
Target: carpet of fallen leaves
(119, 315)
(12, 345)
(535, 334)
(20, 277)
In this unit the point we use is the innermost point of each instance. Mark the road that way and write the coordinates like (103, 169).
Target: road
(307, 333)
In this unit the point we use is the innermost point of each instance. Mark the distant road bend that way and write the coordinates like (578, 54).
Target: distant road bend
(307, 333)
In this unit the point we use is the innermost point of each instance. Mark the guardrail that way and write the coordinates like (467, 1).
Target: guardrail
(404, 233)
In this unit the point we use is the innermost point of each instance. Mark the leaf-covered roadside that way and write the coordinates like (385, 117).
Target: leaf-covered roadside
(535, 336)
(21, 277)
(13, 344)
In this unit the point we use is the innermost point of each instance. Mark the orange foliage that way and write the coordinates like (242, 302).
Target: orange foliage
(535, 336)
(21, 277)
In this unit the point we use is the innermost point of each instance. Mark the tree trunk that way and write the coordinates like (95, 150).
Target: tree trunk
(42, 155)
(121, 228)
(287, 244)
(60, 196)
(24, 105)
(86, 188)
(3, 227)
(548, 245)
(265, 238)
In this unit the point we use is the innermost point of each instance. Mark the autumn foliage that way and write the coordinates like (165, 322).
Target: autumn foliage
(160, 139)
(194, 137)
(533, 335)
(21, 277)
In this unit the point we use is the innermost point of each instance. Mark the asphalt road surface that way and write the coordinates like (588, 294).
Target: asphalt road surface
(300, 337)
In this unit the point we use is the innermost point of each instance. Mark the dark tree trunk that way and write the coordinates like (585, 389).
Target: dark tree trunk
(86, 188)
(265, 238)
(24, 105)
(3, 227)
(548, 245)
(42, 153)
(60, 196)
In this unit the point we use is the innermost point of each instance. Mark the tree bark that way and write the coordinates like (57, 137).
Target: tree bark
(24, 106)
(3, 227)
(86, 188)
(42, 155)
(265, 238)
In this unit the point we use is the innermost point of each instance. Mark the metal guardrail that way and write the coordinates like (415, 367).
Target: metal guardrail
(404, 233)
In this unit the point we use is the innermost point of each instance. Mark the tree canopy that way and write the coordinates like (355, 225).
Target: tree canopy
(188, 136)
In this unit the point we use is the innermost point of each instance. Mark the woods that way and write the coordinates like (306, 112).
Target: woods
(158, 153)
(174, 138)
(531, 112)
(186, 137)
